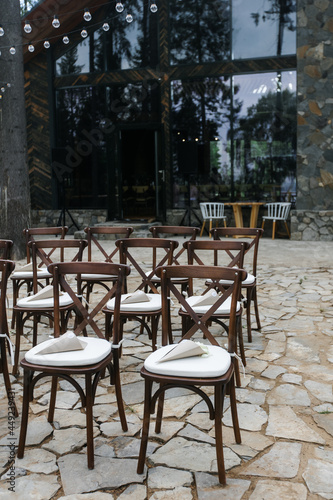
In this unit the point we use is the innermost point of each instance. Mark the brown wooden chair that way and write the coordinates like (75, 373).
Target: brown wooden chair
(89, 362)
(149, 309)
(218, 253)
(253, 236)
(34, 306)
(213, 370)
(95, 242)
(24, 276)
(5, 249)
(6, 268)
(190, 233)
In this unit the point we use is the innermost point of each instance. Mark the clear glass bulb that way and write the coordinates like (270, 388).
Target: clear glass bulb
(87, 16)
(3, 89)
(12, 50)
(65, 39)
(47, 44)
(84, 33)
(27, 27)
(153, 7)
(119, 7)
(2, 31)
(106, 27)
(55, 22)
(31, 48)
(129, 18)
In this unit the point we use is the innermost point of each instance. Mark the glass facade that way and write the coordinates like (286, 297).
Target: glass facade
(232, 132)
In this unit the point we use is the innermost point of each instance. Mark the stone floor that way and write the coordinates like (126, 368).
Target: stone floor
(285, 410)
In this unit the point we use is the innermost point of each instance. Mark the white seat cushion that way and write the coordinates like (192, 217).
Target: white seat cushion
(26, 275)
(250, 280)
(96, 350)
(154, 304)
(223, 309)
(155, 278)
(64, 300)
(100, 277)
(215, 364)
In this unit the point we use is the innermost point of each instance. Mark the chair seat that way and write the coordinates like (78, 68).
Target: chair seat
(64, 300)
(215, 364)
(223, 309)
(270, 217)
(26, 275)
(95, 351)
(156, 279)
(154, 304)
(101, 277)
(250, 280)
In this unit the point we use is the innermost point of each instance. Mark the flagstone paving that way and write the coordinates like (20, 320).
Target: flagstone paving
(285, 408)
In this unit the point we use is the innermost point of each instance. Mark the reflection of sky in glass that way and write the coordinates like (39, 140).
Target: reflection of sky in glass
(133, 31)
(253, 87)
(250, 40)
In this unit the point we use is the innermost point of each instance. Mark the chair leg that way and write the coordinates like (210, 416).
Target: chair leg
(25, 412)
(287, 228)
(4, 369)
(54, 385)
(240, 340)
(119, 396)
(219, 395)
(273, 230)
(225, 222)
(248, 313)
(263, 224)
(19, 332)
(234, 414)
(202, 228)
(256, 309)
(145, 427)
(89, 421)
(159, 413)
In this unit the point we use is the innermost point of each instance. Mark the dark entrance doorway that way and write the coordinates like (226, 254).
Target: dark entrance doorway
(139, 179)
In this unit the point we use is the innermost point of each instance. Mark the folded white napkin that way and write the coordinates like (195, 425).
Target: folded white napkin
(207, 300)
(185, 349)
(44, 293)
(67, 342)
(29, 267)
(138, 296)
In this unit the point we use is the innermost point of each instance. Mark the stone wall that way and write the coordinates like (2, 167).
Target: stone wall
(312, 218)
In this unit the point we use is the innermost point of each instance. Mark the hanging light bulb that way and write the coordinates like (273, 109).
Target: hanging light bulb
(129, 18)
(65, 39)
(27, 27)
(12, 50)
(84, 33)
(55, 22)
(2, 31)
(31, 48)
(3, 89)
(153, 7)
(119, 7)
(106, 26)
(87, 16)
(9, 85)
(47, 44)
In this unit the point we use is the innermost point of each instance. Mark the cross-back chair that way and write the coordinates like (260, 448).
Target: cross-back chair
(210, 212)
(97, 237)
(190, 233)
(5, 249)
(252, 235)
(216, 369)
(218, 253)
(277, 212)
(6, 268)
(89, 362)
(34, 306)
(143, 270)
(24, 276)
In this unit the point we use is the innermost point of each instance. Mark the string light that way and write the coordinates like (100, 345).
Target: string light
(27, 27)
(84, 33)
(65, 39)
(56, 22)
(2, 31)
(47, 44)
(119, 7)
(129, 18)
(31, 48)
(153, 7)
(87, 16)
(12, 50)
(106, 26)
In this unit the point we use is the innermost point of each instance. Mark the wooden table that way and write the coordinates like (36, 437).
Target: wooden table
(237, 208)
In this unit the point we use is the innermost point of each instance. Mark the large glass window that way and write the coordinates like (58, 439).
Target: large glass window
(263, 28)
(199, 31)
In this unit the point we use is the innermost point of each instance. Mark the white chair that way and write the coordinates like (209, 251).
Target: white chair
(210, 212)
(277, 211)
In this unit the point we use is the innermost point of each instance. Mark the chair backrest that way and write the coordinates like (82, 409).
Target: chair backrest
(143, 255)
(217, 253)
(278, 210)
(45, 232)
(63, 274)
(6, 268)
(5, 248)
(186, 231)
(212, 210)
(94, 242)
(200, 323)
(61, 250)
(252, 235)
